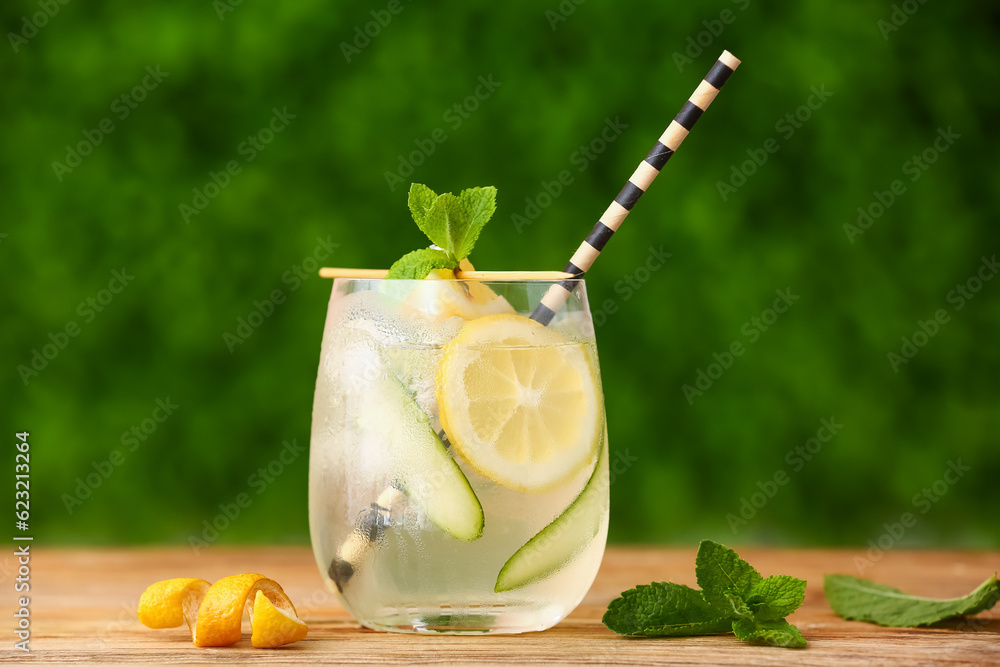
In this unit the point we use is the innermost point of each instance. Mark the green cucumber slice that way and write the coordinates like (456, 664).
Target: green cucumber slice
(564, 539)
(429, 475)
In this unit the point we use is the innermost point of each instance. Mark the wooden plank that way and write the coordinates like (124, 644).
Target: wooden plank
(84, 600)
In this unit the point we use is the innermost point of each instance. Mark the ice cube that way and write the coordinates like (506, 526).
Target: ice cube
(388, 320)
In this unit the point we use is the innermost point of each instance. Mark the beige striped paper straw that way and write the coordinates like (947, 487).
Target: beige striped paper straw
(637, 184)
(372, 521)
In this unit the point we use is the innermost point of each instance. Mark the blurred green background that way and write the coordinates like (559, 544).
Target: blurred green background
(883, 85)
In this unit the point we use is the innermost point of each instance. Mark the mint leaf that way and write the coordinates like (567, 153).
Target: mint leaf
(417, 264)
(451, 223)
(769, 633)
(776, 597)
(738, 607)
(479, 205)
(445, 220)
(454, 223)
(664, 609)
(863, 600)
(420, 199)
(734, 597)
(721, 572)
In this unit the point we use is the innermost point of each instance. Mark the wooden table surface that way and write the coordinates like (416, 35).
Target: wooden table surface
(83, 609)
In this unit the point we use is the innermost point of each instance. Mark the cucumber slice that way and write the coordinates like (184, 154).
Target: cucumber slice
(428, 473)
(564, 539)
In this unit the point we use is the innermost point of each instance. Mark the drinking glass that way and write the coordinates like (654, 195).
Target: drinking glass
(458, 473)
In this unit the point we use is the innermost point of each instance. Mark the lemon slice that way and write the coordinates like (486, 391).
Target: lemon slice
(274, 626)
(519, 402)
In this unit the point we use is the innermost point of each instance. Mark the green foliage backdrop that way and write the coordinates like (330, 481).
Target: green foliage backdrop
(884, 84)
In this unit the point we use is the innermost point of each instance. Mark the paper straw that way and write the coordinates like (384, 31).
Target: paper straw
(367, 531)
(372, 521)
(637, 184)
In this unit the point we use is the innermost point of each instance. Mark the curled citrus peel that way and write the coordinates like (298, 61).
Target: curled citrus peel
(467, 299)
(214, 612)
(167, 604)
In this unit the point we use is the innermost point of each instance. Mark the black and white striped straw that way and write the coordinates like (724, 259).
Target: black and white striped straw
(637, 184)
(372, 522)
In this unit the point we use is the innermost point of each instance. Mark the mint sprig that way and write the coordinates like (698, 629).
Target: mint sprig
(863, 600)
(419, 263)
(662, 609)
(722, 573)
(734, 597)
(452, 223)
(420, 200)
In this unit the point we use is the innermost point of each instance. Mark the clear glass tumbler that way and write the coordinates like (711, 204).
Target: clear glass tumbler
(458, 474)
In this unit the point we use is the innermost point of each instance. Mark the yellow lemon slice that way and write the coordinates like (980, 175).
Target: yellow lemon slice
(273, 625)
(214, 611)
(519, 402)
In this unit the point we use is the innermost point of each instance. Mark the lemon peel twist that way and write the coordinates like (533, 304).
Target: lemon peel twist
(214, 612)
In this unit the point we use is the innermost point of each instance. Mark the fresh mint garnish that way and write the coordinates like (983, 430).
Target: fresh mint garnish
(776, 597)
(721, 573)
(734, 597)
(863, 600)
(419, 263)
(663, 609)
(768, 633)
(420, 200)
(453, 223)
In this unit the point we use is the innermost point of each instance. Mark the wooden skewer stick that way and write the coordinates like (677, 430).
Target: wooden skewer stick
(333, 272)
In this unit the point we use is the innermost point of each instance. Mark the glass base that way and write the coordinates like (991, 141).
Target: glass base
(497, 619)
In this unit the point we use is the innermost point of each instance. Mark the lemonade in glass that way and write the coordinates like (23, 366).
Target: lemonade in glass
(458, 477)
